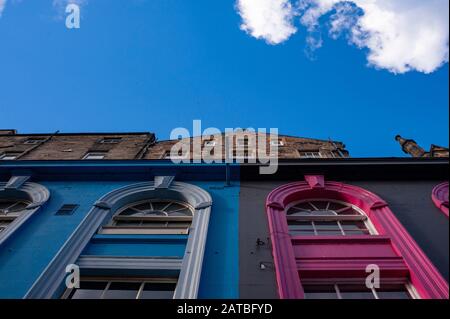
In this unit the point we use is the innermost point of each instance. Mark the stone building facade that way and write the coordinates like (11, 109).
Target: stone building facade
(143, 145)
(410, 147)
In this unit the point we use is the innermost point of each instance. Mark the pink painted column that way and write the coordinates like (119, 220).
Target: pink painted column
(289, 286)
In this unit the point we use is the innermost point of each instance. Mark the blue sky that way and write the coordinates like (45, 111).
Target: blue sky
(159, 64)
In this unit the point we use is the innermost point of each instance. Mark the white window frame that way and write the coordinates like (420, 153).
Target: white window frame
(308, 154)
(209, 143)
(89, 154)
(112, 228)
(370, 227)
(276, 142)
(409, 288)
(7, 156)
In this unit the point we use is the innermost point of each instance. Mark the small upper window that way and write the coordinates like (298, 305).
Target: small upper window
(324, 217)
(34, 140)
(310, 154)
(94, 156)
(110, 140)
(209, 143)
(10, 209)
(277, 142)
(8, 156)
(151, 216)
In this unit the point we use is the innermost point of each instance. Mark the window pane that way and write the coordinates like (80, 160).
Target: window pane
(158, 291)
(320, 292)
(393, 292)
(354, 228)
(127, 223)
(301, 228)
(89, 290)
(122, 290)
(355, 292)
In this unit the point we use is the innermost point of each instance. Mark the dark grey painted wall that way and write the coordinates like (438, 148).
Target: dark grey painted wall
(255, 282)
(409, 200)
(411, 203)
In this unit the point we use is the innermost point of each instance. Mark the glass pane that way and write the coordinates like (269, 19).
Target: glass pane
(301, 229)
(159, 205)
(320, 292)
(355, 292)
(122, 290)
(393, 292)
(89, 290)
(328, 229)
(126, 223)
(158, 291)
(326, 225)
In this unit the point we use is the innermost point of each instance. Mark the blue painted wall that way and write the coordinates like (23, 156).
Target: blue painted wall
(28, 252)
(220, 273)
(32, 247)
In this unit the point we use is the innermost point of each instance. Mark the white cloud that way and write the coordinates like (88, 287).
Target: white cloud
(271, 20)
(400, 35)
(2, 6)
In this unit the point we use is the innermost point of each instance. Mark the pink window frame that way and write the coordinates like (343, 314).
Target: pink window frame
(439, 195)
(424, 276)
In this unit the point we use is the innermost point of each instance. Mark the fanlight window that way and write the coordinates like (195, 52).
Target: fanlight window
(154, 216)
(324, 217)
(10, 209)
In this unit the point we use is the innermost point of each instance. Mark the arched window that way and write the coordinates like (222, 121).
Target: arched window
(161, 206)
(326, 217)
(151, 216)
(19, 200)
(325, 236)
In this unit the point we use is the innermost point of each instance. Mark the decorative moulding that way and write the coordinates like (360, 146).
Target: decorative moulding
(423, 274)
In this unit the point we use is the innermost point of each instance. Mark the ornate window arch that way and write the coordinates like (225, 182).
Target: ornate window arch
(392, 248)
(439, 196)
(163, 187)
(19, 200)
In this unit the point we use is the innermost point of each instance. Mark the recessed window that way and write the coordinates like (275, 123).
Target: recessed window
(323, 217)
(358, 291)
(123, 288)
(111, 140)
(209, 143)
(9, 156)
(34, 140)
(94, 156)
(153, 216)
(276, 142)
(310, 154)
(10, 209)
(67, 209)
